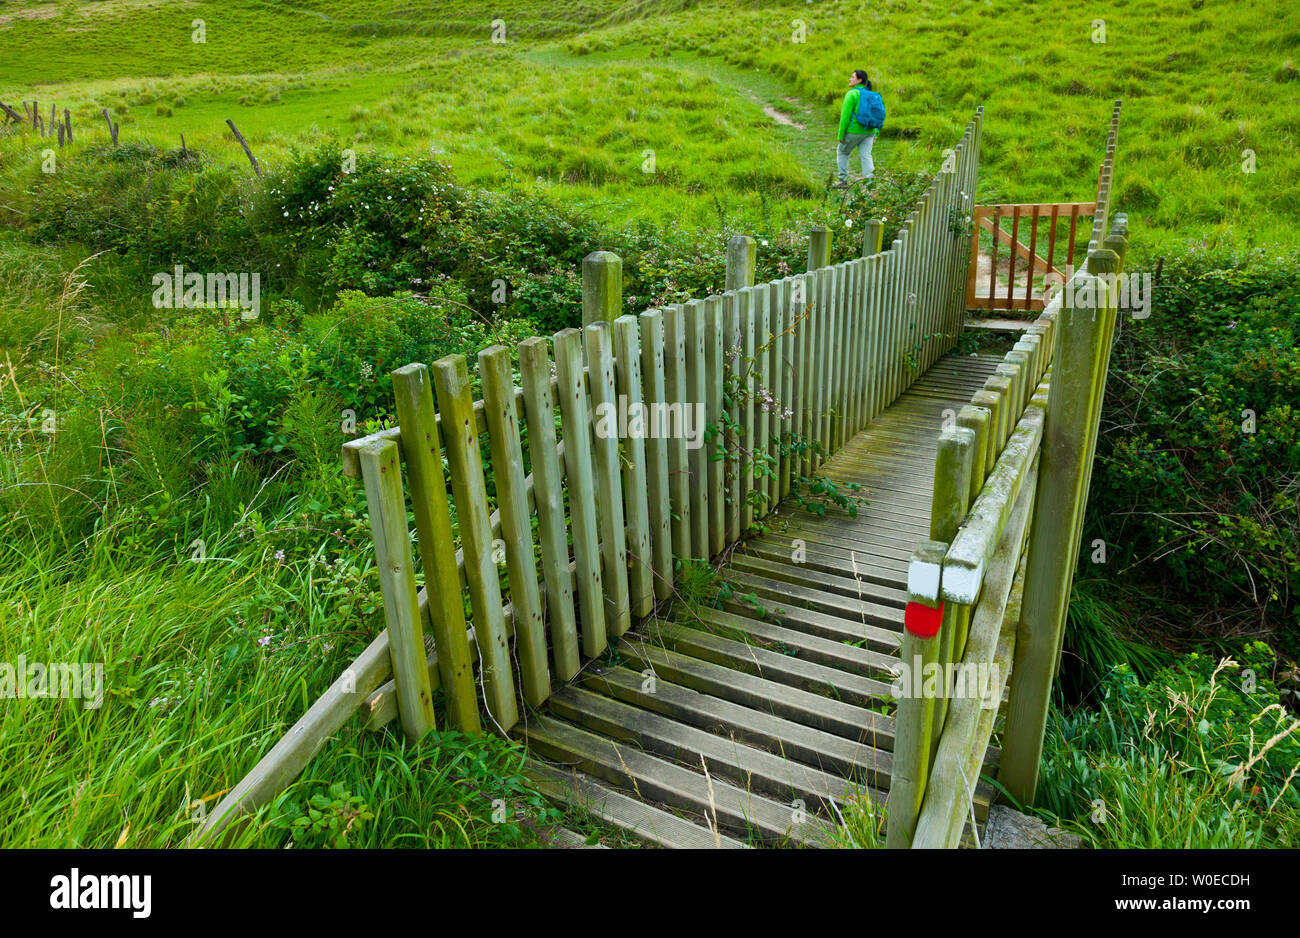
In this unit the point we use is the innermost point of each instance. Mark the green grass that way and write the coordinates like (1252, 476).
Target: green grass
(579, 90)
(208, 663)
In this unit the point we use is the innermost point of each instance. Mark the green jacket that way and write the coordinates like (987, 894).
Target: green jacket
(848, 125)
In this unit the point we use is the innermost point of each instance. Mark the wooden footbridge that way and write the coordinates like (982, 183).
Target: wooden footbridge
(885, 532)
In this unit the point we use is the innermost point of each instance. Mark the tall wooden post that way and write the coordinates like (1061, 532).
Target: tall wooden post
(873, 237)
(1081, 357)
(915, 721)
(741, 252)
(819, 247)
(383, 479)
(602, 287)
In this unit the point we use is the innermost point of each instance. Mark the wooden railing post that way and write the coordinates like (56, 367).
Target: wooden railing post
(915, 720)
(873, 237)
(819, 247)
(602, 287)
(741, 254)
(422, 451)
(383, 477)
(465, 462)
(1073, 408)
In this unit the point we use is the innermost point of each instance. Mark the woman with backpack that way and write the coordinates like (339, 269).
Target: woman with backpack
(861, 118)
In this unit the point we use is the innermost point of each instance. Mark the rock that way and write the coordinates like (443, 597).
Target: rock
(1008, 829)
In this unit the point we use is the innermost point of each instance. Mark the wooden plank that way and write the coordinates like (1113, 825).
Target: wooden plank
(535, 376)
(753, 770)
(823, 317)
(678, 463)
(751, 298)
(843, 757)
(497, 379)
(832, 716)
(713, 378)
(627, 363)
(575, 423)
(623, 811)
(740, 656)
(734, 301)
(651, 777)
(919, 718)
(387, 505)
(658, 500)
(785, 360)
(451, 384)
(695, 403)
(609, 477)
(814, 649)
(844, 584)
(422, 452)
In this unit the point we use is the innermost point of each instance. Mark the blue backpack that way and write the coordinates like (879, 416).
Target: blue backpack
(871, 110)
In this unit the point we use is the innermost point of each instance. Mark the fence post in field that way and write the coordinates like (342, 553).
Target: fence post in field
(602, 287)
(918, 721)
(819, 247)
(741, 252)
(873, 237)
(1082, 354)
(67, 122)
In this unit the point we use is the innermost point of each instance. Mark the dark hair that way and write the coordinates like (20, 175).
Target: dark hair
(862, 77)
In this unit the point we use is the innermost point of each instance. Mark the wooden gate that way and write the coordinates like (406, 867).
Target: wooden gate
(1017, 290)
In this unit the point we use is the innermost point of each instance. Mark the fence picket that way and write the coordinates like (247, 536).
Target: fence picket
(548, 495)
(460, 434)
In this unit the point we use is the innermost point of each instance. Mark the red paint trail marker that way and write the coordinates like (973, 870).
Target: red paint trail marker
(921, 620)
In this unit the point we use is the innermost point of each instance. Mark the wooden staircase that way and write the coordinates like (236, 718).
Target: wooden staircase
(736, 725)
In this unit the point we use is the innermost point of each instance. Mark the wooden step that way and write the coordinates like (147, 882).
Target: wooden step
(651, 824)
(844, 585)
(783, 780)
(856, 724)
(814, 747)
(786, 596)
(826, 559)
(654, 778)
(855, 659)
(750, 659)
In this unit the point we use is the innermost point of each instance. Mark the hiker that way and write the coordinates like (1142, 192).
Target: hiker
(861, 118)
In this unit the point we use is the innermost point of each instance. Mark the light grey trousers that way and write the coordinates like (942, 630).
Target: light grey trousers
(860, 142)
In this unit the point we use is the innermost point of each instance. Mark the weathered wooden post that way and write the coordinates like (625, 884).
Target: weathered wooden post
(819, 247)
(602, 287)
(741, 251)
(383, 478)
(112, 127)
(915, 723)
(67, 122)
(238, 136)
(873, 237)
(422, 452)
(1081, 357)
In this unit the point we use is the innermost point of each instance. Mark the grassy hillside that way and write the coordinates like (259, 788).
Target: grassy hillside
(578, 92)
(170, 500)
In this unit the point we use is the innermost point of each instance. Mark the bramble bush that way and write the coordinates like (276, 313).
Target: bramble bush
(1197, 479)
